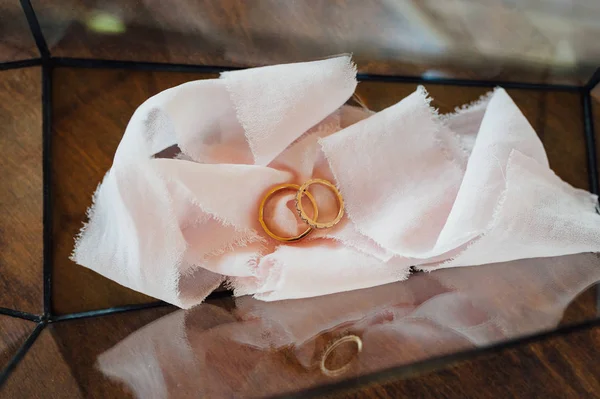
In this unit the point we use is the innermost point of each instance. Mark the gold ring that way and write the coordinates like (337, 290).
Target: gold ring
(341, 370)
(313, 222)
(261, 212)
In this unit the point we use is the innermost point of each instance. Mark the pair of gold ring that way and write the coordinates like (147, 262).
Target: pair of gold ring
(301, 191)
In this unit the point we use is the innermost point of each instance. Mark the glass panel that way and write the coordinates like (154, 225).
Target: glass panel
(16, 42)
(243, 347)
(495, 40)
(268, 348)
(62, 361)
(21, 242)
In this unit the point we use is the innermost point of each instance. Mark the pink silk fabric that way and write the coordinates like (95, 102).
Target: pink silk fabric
(421, 189)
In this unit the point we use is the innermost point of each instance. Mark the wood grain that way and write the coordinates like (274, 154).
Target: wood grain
(16, 41)
(91, 109)
(13, 333)
(21, 190)
(494, 42)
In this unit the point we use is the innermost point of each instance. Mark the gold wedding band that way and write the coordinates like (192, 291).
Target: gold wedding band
(344, 368)
(301, 191)
(313, 222)
(261, 211)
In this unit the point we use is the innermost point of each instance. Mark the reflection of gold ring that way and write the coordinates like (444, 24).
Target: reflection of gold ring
(340, 370)
(261, 212)
(313, 222)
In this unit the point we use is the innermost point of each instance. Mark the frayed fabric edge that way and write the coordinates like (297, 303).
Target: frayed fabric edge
(350, 70)
(482, 101)
(89, 213)
(440, 123)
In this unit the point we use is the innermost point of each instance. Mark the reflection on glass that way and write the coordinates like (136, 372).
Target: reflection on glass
(103, 22)
(495, 39)
(260, 348)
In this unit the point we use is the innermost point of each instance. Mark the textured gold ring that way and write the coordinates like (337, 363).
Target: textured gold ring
(313, 222)
(261, 212)
(340, 370)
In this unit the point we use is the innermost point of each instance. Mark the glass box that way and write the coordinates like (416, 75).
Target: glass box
(71, 75)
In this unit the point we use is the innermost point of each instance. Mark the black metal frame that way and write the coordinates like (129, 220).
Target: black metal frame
(48, 63)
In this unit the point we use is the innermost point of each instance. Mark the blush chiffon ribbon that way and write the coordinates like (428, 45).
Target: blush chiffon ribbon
(425, 190)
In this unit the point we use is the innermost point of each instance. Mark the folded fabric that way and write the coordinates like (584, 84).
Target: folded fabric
(420, 189)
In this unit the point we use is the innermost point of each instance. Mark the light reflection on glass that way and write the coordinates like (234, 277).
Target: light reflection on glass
(103, 22)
